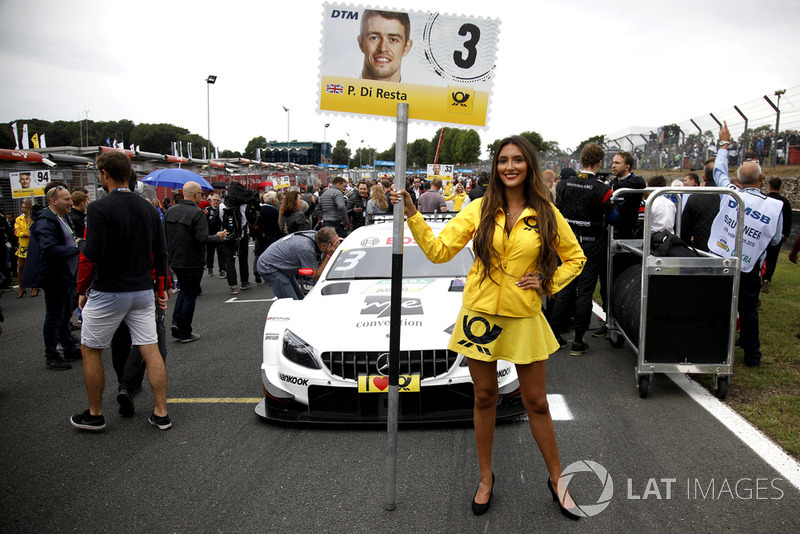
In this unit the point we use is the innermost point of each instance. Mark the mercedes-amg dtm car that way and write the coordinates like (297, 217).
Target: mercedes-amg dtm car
(325, 358)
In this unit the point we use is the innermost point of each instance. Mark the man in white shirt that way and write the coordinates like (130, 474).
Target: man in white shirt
(762, 227)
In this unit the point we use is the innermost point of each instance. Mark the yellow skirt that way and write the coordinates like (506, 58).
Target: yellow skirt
(488, 338)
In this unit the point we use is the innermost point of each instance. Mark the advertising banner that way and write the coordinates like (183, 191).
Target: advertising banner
(441, 65)
(25, 183)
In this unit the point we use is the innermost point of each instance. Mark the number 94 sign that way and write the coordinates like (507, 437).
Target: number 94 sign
(27, 183)
(441, 65)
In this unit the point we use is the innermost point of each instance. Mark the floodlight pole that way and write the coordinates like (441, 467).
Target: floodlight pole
(396, 301)
(774, 155)
(288, 137)
(210, 80)
(743, 146)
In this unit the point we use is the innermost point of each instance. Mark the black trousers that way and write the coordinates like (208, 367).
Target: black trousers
(234, 248)
(749, 290)
(772, 260)
(210, 249)
(576, 298)
(127, 360)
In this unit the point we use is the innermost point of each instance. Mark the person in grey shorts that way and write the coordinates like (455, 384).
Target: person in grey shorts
(125, 239)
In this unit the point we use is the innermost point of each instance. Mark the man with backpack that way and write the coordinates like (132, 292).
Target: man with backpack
(234, 221)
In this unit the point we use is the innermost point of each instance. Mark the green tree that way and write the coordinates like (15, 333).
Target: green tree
(341, 153)
(387, 155)
(363, 156)
(230, 154)
(7, 135)
(535, 138)
(417, 155)
(64, 133)
(469, 147)
(252, 145)
(599, 139)
(158, 138)
(197, 143)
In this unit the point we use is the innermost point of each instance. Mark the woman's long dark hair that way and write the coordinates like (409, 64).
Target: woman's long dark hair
(537, 197)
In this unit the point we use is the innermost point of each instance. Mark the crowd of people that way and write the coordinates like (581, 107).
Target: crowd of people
(674, 154)
(62, 248)
(540, 242)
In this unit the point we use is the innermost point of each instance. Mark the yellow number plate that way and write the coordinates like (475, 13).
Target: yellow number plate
(380, 384)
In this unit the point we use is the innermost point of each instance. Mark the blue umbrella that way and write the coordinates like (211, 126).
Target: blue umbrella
(175, 178)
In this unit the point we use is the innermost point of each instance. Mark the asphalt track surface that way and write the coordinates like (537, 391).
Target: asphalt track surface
(674, 467)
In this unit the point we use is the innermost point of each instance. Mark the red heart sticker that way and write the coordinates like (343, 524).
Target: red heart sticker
(381, 382)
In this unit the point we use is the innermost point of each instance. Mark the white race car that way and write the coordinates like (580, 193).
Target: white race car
(325, 358)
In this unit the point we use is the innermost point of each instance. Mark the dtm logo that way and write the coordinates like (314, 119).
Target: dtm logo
(490, 333)
(344, 15)
(381, 306)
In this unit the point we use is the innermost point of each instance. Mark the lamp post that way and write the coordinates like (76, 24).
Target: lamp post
(288, 117)
(348, 149)
(778, 93)
(209, 81)
(324, 141)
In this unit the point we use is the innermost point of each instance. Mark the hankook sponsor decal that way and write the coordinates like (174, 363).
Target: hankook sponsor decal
(294, 380)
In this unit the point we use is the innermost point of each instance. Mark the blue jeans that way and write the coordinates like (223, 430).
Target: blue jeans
(58, 304)
(283, 285)
(189, 280)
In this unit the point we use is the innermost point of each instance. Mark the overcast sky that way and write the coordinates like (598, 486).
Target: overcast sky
(567, 71)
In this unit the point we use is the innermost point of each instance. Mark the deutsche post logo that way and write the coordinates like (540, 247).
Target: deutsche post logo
(490, 333)
(460, 100)
(530, 223)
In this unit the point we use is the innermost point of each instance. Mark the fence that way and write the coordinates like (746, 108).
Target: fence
(688, 143)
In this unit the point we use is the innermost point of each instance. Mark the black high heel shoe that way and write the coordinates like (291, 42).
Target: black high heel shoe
(480, 509)
(572, 513)
(22, 294)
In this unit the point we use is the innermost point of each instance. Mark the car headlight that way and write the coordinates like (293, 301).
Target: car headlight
(298, 351)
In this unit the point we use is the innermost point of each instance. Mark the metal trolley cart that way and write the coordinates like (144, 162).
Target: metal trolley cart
(678, 314)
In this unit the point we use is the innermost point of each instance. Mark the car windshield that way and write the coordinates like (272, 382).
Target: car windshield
(376, 262)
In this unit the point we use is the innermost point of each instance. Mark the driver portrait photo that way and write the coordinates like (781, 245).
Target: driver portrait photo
(24, 180)
(385, 41)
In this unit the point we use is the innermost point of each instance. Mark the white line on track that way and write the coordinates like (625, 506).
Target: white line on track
(559, 411)
(753, 438)
(237, 301)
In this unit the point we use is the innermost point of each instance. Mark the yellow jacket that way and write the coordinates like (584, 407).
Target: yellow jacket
(22, 230)
(458, 201)
(519, 252)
